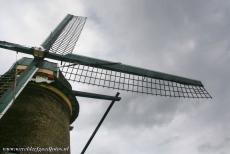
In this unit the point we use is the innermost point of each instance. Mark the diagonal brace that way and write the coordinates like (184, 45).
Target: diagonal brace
(99, 124)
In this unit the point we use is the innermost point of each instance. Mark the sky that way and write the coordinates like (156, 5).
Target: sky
(182, 37)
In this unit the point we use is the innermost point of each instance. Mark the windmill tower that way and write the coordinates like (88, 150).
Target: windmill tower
(37, 104)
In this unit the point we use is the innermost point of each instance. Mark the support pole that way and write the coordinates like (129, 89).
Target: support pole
(94, 95)
(99, 124)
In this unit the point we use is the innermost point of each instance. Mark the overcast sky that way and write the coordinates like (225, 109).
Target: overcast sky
(190, 38)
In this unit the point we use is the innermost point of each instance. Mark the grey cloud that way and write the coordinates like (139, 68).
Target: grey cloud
(215, 148)
(169, 140)
(142, 111)
(188, 38)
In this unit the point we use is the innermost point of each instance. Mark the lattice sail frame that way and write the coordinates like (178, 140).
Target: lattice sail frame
(130, 82)
(66, 40)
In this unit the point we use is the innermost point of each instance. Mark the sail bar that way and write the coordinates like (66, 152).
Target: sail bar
(57, 31)
(16, 47)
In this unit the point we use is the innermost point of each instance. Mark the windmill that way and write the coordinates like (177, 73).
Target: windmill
(77, 68)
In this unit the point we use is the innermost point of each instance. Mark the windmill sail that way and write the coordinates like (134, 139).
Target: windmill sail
(124, 77)
(63, 39)
(103, 73)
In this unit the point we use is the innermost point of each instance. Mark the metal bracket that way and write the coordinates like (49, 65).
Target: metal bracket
(39, 52)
